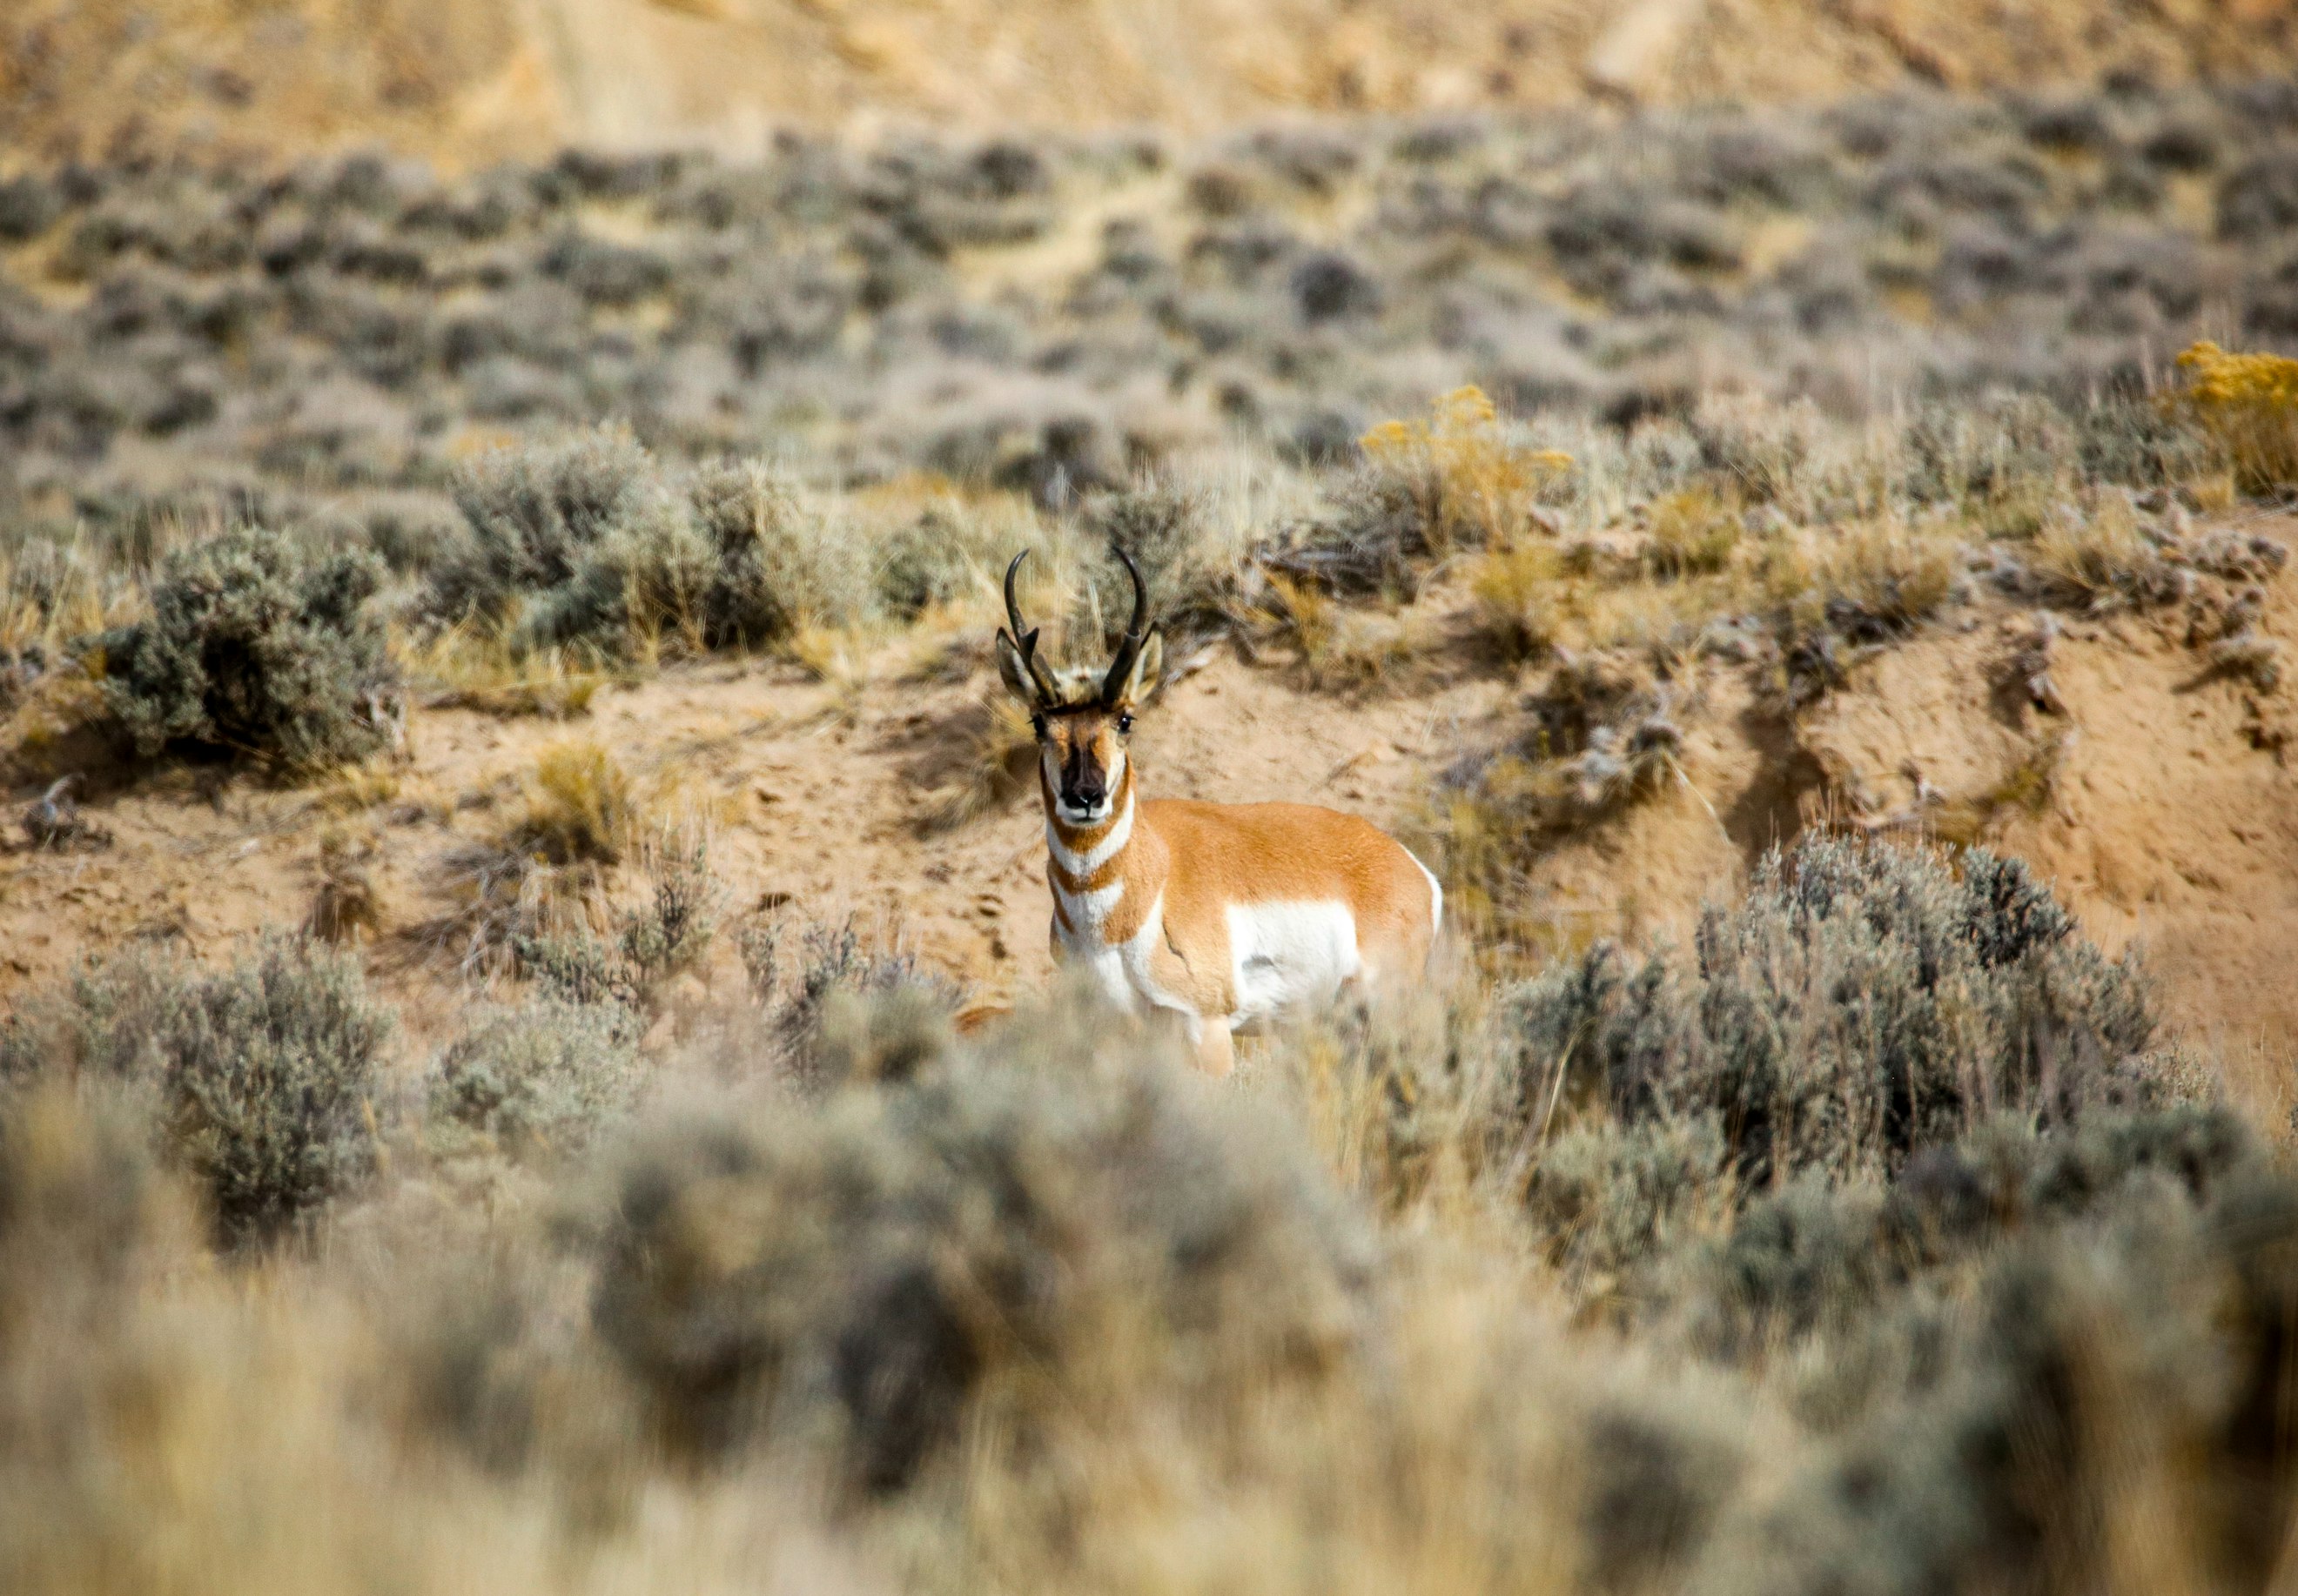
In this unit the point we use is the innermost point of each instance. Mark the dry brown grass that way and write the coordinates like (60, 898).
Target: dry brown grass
(1693, 531)
(345, 903)
(459, 668)
(1891, 573)
(2094, 559)
(1520, 592)
(1342, 646)
(582, 807)
(991, 756)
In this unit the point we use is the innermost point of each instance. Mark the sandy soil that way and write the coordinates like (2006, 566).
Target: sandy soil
(2173, 820)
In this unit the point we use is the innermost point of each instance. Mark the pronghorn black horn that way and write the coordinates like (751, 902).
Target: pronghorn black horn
(1025, 642)
(1130, 648)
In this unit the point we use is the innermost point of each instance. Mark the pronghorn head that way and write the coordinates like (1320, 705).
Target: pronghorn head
(1082, 725)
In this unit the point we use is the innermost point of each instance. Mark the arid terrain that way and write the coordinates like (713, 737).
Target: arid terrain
(530, 1053)
(472, 83)
(2168, 822)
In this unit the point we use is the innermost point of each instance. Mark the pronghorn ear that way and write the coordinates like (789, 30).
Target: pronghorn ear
(1148, 668)
(1014, 670)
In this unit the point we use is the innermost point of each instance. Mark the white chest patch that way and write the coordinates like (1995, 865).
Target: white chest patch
(1284, 954)
(1123, 970)
(1088, 912)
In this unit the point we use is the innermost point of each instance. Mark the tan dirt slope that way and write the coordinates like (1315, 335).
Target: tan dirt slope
(466, 81)
(2170, 816)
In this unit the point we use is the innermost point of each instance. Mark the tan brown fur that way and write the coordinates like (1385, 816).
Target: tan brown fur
(1193, 862)
(1198, 859)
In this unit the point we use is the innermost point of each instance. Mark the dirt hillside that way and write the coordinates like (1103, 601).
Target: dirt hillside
(485, 79)
(2166, 814)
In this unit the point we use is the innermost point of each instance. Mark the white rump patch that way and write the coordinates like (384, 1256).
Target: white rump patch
(1283, 954)
(1435, 894)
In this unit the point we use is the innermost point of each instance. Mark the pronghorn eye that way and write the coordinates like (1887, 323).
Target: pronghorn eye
(1124, 723)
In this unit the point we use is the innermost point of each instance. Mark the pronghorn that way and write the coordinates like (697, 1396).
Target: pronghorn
(1214, 914)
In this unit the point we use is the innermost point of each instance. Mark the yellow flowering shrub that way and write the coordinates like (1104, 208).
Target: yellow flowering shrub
(1472, 485)
(2249, 405)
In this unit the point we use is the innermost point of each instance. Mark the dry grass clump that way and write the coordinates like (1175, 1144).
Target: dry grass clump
(460, 667)
(1854, 588)
(596, 951)
(1341, 646)
(2099, 560)
(2248, 403)
(582, 806)
(1521, 597)
(2003, 462)
(53, 589)
(995, 757)
(1872, 581)
(1691, 533)
(345, 905)
(544, 880)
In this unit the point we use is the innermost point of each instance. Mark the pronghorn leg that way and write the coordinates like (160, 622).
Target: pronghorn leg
(1215, 1052)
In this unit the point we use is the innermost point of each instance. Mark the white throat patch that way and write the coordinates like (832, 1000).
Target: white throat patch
(1081, 865)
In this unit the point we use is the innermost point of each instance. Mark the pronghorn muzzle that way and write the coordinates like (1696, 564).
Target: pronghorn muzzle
(1085, 782)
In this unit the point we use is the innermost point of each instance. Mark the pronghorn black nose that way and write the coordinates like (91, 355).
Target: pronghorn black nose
(1083, 786)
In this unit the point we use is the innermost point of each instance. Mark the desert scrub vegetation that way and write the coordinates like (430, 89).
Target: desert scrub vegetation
(262, 1078)
(256, 646)
(1877, 1236)
(601, 886)
(582, 806)
(1908, 1255)
(543, 1078)
(929, 1270)
(177, 328)
(590, 545)
(1457, 476)
(1863, 1003)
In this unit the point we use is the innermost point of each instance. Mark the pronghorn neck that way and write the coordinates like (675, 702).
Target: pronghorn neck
(1104, 876)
